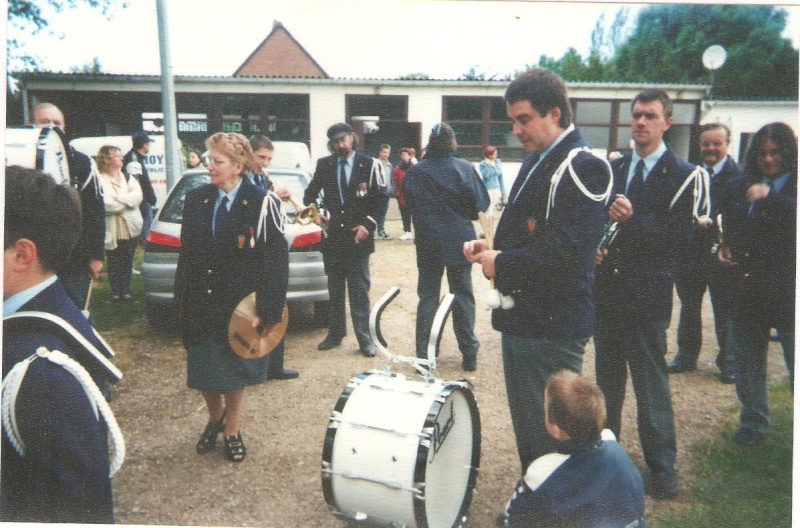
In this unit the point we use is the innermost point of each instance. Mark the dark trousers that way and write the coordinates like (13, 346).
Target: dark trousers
(459, 279)
(691, 287)
(528, 363)
(354, 275)
(276, 359)
(380, 217)
(405, 216)
(120, 263)
(621, 343)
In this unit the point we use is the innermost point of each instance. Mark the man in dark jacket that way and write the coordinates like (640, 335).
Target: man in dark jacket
(635, 279)
(445, 195)
(133, 166)
(543, 253)
(352, 200)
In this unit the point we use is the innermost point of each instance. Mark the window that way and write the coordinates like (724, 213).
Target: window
(478, 122)
(281, 117)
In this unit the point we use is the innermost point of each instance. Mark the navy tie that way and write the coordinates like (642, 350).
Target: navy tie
(636, 184)
(342, 180)
(222, 219)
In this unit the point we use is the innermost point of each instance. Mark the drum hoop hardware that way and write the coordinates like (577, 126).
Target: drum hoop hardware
(389, 484)
(337, 417)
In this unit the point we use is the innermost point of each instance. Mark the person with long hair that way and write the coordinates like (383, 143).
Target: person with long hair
(122, 196)
(760, 219)
(230, 247)
(194, 159)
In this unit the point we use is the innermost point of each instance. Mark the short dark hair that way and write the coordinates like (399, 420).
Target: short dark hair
(544, 90)
(783, 136)
(385, 146)
(442, 141)
(258, 142)
(650, 95)
(708, 127)
(44, 212)
(575, 404)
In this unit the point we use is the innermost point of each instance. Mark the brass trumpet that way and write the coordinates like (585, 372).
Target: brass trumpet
(303, 215)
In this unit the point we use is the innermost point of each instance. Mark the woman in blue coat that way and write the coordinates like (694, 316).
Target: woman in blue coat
(229, 249)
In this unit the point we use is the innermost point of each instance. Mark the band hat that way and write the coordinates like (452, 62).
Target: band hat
(339, 130)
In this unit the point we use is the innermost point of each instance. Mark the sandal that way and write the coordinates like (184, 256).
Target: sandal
(235, 447)
(208, 440)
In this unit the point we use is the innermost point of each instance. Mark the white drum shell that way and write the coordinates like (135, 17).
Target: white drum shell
(379, 439)
(37, 148)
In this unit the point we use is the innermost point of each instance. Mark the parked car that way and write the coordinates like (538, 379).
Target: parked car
(307, 280)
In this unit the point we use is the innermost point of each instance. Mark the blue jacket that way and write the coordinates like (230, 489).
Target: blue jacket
(213, 276)
(361, 205)
(444, 195)
(637, 276)
(548, 266)
(64, 476)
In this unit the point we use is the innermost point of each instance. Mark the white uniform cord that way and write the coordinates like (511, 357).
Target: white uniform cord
(13, 381)
(377, 173)
(701, 202)
(271, 208)
(567, 164)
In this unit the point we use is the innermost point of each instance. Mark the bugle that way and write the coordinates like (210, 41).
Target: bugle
(720, 238)
(303, 215)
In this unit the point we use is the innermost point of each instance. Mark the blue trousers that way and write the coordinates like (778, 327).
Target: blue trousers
(748, 342)
(528, 363)
(459, 279)
(621, 343)
(354, 275)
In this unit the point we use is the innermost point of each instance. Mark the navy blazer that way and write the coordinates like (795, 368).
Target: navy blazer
(637, 276)
(214, 276)
(444, 195)
(362, 201)
(547, 265)
(763, 243)
(64, 476)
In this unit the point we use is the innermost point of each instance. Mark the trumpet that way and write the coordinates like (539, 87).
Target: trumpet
(720, 238)
(303, 215)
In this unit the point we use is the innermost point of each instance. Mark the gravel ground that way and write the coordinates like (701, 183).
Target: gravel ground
(164, 482)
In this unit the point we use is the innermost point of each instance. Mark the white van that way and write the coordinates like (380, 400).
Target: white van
(290, 155)
(155, 161)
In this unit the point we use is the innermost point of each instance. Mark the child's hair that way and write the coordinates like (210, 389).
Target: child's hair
(576, 404)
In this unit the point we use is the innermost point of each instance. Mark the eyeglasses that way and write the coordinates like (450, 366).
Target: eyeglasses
(216, 161)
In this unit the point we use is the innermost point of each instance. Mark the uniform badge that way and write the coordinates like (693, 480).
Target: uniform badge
(362, 189)
(240, 241)
(531, 226)
(252, 238)
(244, 202)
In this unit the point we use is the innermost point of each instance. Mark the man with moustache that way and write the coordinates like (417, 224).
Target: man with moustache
(700, 268)
(352, 199)
(635, 278)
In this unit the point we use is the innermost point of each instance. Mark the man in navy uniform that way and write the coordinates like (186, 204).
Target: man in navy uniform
(63, 475)
(543, 253)
(352, 199)
(700, 268)
(635, 279)
(86, 260)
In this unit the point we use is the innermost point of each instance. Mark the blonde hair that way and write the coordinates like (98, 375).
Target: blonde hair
(575, 404)
(104, 155)
(234, 146)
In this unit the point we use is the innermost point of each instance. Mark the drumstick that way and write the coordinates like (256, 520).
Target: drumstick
(487, 229)
(85, 310)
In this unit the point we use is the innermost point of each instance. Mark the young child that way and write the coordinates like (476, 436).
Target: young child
(590, 481)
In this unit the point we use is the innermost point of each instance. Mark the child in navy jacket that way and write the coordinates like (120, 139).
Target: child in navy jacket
(589, 481)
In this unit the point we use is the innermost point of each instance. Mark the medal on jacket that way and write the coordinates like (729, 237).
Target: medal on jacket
(362, 190)
(531, 226)
(240, 241)
(252, 238)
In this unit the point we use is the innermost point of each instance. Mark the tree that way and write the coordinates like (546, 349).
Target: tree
(92, 67)
(669, 40)
(30, 17)
(414, 77)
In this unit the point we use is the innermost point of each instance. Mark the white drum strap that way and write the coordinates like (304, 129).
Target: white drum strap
(701, 202)
(376, 173)
(13, 381)
(93, 180)
(567, 164)
(271, 208)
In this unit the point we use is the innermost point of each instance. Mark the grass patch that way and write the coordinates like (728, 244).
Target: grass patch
(119, 315)
(743, 487)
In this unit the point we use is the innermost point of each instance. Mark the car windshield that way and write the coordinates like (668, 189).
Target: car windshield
(296, 183)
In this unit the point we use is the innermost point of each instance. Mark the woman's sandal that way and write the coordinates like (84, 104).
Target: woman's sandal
(235, 447)
(208, 440)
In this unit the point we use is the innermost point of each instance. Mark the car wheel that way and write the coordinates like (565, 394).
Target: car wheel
(321, 309)
(161, 316)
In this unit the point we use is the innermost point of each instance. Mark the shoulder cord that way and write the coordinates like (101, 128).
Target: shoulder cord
(701, 192)
(271, 207)
(11, 385)
(377, 173)
(567, 163)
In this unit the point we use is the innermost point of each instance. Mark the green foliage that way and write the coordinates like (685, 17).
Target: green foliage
(414, 77)
(742, 487)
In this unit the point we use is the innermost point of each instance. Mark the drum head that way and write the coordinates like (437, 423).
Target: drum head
(38, 148)
(245, 340)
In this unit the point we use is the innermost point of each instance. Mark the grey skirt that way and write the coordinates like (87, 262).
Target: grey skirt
(213, 367)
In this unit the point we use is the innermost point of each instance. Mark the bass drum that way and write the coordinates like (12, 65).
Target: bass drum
(38, 148)
(402, 452)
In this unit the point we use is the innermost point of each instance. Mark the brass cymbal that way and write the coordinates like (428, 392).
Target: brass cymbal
(245, 340)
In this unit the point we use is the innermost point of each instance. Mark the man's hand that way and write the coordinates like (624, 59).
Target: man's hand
(724, 256)
(757, 191)
(95, 267)
(320, 219)
(283, 193)
(599, 256)
(361, 233)
(473, 248)
(267, 328)
(621, 210)
(704, 222)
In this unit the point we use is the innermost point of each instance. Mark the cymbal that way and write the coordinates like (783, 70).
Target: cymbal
(245, 340)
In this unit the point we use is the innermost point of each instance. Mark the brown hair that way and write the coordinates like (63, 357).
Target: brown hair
(575, 404)
(104, 155)
(234, 146)
(488, 151)
(648, 96)
(544, 90)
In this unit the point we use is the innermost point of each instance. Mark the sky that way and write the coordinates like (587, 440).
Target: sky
(348, 38)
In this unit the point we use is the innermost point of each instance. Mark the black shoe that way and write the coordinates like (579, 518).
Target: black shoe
(469, 364)
(747, 438)
(285, 374)
(664, 484)
(368, 351)
(679, 368)
(234, 448)
(329, 343)
(208, 440)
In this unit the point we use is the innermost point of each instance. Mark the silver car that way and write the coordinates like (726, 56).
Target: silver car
(307, 280)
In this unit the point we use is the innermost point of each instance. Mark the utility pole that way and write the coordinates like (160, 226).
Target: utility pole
(174, 165)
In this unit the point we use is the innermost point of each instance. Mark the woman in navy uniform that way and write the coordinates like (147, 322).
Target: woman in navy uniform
(228, 250)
